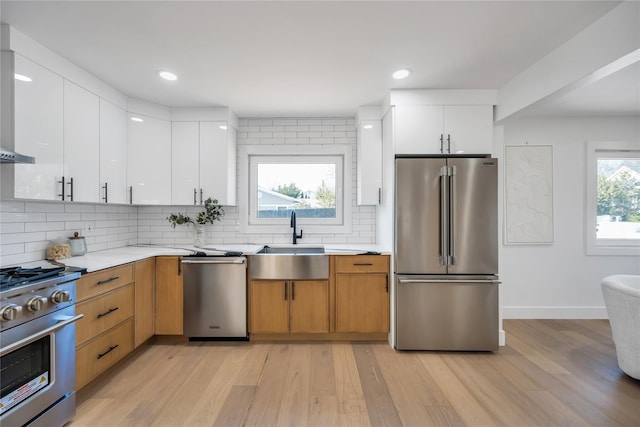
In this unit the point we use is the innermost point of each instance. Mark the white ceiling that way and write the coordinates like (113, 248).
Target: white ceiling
(314, 58)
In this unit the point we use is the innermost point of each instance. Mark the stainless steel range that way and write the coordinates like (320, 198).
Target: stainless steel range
(37, 335)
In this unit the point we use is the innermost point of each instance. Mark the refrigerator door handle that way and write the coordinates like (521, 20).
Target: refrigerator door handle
(444, 219)
(402, 281)
(452, 216)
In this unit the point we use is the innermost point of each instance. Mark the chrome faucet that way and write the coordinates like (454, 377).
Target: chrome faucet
(293, 225)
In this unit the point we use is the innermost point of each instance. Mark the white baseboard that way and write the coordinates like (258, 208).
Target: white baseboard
(502, 341)
(554, 312)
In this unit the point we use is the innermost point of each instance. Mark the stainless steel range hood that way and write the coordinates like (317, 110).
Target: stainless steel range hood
(7, 156)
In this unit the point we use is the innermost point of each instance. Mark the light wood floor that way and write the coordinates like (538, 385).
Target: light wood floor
(551, 373)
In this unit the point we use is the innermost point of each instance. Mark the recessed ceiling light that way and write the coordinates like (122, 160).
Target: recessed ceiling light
(368, 126)
(401, 73)
(136, 119)
(223, 127)
(167, 75)
(22, 78)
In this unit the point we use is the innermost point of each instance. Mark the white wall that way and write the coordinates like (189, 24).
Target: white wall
(560, 280)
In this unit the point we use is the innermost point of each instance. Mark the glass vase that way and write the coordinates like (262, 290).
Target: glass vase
(198, 235)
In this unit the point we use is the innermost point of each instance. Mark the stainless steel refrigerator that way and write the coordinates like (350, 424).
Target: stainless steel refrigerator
(446, 254)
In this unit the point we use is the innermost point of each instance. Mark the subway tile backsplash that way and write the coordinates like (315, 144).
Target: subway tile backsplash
(27, 227)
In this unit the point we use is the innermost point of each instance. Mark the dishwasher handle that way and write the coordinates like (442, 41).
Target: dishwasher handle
(215, 260)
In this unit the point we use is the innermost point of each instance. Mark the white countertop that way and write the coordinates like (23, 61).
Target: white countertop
(93, 261)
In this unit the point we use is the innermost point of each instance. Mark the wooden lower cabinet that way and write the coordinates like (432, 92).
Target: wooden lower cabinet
(103, 313)
(169, 298)
(300, 306)
(362, 303)
(362, 294)
(96, 356)
(145, 299)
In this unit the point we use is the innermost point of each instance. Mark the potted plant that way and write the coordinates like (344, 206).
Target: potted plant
(212, 212)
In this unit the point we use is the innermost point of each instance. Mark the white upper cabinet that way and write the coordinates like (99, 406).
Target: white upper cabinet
(81, 144)
(113, 153)
(38, 131)
(218, 162)
(203, 163)
(149, 160)
(438, 129)
(369, 164)
(185, 164)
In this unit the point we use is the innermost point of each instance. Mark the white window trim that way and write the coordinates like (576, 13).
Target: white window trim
(595, 246)
(253, 183)
(310, 225)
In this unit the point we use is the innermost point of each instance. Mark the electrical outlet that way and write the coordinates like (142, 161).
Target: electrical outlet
(89, 228)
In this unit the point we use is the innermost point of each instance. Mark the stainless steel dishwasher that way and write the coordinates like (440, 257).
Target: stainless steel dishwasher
(215, 298)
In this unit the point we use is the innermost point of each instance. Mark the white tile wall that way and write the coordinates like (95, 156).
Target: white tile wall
(27, 227)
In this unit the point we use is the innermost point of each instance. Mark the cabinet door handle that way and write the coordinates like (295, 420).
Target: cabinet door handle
(113, 347)
(110, 279)
(108, 312)
(195, 202)
(379, 195)
(179, 266)
(441, 143)
(70, 188)
(106, 192)
(361, 264)
(448, 143)
(130, 195)
(386, 287)
(285, 291)
(63, 184)
(201, 196)
(293, 291)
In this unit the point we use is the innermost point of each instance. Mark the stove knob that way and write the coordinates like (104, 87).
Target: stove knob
(60, 296)
(36, 303)
(10, 312)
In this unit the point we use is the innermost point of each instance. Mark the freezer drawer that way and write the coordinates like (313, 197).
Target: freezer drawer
(444, 314)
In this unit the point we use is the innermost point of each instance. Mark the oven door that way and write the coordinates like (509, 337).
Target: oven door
(37, 367)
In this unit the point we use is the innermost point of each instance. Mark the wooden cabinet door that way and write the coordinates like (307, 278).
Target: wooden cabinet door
(269, 306)
(309, 306)
(362, 303)
(169, 295)
(145, 299)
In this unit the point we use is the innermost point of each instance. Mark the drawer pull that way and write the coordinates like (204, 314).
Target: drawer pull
(110, 279)
(100, 356)
(111, 310)
(362, 264)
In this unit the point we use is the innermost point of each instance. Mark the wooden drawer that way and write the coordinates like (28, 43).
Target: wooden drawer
(362, 264)
(102, 281)
(103, 312)
(95, 357)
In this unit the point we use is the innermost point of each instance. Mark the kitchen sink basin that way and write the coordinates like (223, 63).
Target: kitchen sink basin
(291, 250)
(290, 263)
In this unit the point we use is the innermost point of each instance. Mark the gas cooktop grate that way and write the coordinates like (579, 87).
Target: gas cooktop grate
(11, 277)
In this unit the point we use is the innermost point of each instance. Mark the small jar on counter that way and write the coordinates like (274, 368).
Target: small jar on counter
(78, 245)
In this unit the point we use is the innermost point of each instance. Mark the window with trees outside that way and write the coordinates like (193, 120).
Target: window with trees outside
(613, 199)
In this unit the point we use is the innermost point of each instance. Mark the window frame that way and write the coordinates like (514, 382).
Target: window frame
(256, 159)
(595, 246)
(247, 178)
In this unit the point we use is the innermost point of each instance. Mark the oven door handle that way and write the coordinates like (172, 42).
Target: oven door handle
(40, 334)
